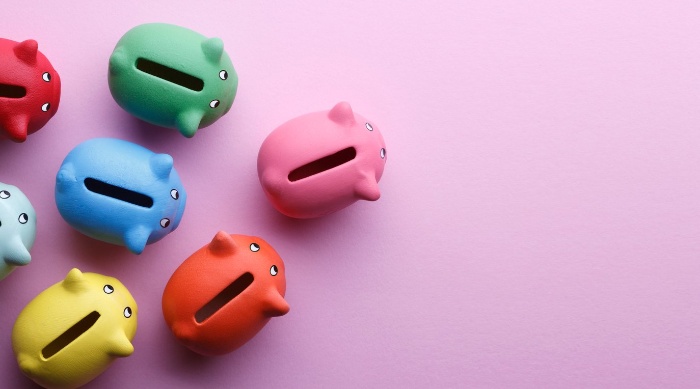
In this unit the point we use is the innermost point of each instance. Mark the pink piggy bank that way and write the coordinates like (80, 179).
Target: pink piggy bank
(322, 162)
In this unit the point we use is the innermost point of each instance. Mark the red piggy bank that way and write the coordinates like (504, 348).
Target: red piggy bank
(225, 293)
(30, 89)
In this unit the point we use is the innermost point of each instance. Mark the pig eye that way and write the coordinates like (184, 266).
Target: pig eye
(127, 312)
(254, 247)
(223, 74)
(273, 270)
(369, 127)
(23, 218)
(382, 153)
(46, 76)
(164, 222)
(45, 107)
(214, 103)
(108, 289)
(175, 194)
(4, 194)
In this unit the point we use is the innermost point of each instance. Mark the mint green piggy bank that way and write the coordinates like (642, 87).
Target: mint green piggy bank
(173, 77)
(17, 229)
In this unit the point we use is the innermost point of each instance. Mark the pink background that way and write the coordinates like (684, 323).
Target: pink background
(538, 225)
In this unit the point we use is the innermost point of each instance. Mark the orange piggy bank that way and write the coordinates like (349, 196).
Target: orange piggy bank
(225, 293)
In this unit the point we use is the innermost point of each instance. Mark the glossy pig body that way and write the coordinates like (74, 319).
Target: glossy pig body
(30, 89)
(71, 332)
(225, 293)
(119, 192)
(17, 229)
(173, 77)
(322, 162)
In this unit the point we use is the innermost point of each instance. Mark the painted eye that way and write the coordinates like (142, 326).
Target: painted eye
(46, 107)
(369, 127)
(23, 218)
(214, 103)
(127, 312)
(175, 194)
(164, 222)
(254, 247)
(223, 74)
(273, 270)
(4, 194)
(382, 153)
(108, 289)
(46, 77)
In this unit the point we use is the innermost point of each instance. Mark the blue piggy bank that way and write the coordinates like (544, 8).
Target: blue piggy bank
(17, 229)
(119, 192)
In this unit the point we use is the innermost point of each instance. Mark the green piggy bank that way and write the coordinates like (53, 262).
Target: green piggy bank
(173, 77)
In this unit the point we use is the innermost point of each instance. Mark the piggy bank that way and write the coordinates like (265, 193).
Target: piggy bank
(17, 229)
(322, 162)
(120, 192)
(30, 89)
(71, 332)
(225, 293)
(173, 77)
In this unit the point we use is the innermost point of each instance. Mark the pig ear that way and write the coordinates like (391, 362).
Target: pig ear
(16, 254)
(75, 281)
(275, 305)
(222, 244)
(137, 238)
(161, 165)
(213, 48)
(120, 346)
(367, 188)
(17, 127)
(26, 51)
(342, 114)
(187, 122)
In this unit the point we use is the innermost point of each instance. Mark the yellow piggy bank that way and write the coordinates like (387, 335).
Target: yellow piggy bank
(71, 332)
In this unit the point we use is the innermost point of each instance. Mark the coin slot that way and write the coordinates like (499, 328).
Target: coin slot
(169, 74)
(322, 164)
(70, 335)
(12, 91)
(224, 297)
(119, 193)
